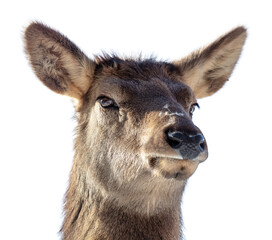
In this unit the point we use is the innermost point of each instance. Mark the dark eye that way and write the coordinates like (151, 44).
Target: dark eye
(107, 102)
(192, 108)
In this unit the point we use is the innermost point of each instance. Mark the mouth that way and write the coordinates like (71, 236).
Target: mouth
(172, 168)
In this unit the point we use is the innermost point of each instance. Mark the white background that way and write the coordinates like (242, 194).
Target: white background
(229, 197)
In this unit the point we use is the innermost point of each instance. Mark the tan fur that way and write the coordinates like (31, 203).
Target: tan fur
(208, 69)
(53, 62)
(128, 177)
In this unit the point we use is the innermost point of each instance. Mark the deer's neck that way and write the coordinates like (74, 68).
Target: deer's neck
(103, 220)
(92, 213)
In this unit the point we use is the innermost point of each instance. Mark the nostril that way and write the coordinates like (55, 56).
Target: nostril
(186, 143)
(202, 147)
(199, 140)
(173, 143)
(173, 139)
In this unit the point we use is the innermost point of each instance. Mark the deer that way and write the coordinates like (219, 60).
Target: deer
(136, 144)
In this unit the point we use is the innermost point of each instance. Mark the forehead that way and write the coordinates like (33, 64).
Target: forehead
(142, 78)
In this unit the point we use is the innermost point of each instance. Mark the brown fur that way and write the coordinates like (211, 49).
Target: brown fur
(215, 63)
(127, 179)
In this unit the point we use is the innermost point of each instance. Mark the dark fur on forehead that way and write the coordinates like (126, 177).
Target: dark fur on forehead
(133, 68)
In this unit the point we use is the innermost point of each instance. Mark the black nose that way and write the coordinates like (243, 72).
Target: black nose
(189, 145)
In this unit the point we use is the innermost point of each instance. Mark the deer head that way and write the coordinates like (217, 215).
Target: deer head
(135, 134)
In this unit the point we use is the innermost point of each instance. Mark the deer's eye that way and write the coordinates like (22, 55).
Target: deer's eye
(192, 108)
(107, 102)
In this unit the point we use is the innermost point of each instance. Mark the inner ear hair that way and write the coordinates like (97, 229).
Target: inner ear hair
(57, 61)
(207, 69)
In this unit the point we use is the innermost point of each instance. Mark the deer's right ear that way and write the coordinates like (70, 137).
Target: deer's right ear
(57, 61)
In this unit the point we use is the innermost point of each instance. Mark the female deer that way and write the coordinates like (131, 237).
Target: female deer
(136, 144)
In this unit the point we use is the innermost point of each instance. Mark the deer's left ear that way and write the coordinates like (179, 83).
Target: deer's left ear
(207, 70)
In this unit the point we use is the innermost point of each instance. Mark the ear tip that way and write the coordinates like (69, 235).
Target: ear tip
(36, 31)
(241, 28)
(240, 31)
(237, 35)
(31, 32)
(34, 28)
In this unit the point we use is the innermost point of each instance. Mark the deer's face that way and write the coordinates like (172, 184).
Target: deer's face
(148, 122)
(135, 129)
